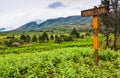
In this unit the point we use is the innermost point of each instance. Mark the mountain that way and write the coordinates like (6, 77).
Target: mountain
(71, 20)
(52, 24)
(2, 29)
(28, 27)
(38, 21)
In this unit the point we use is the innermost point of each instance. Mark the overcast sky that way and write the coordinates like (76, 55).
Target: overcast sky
(14, 13)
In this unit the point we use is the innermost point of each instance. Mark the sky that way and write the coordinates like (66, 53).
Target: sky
(15, 13)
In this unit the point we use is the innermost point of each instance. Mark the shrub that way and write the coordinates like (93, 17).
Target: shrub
(16, 44)
(82, 36)
(8, 43)
(10, 37)
(67, 38)
(87, 34)
(12, 42)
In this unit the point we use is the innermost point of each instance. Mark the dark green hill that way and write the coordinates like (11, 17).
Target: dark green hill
(71, 20)
(27, 27)
(52, 24)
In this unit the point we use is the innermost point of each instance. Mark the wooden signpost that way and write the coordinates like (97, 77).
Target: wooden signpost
(95, 12)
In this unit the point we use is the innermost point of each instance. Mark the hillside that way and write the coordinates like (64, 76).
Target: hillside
(51, 24)
(28, 27)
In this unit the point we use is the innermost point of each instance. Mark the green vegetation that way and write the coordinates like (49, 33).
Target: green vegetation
(56, 55)
(61, 63)
(39, 47)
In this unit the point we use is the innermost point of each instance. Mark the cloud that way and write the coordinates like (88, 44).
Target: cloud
(56, 5)
(14, 13)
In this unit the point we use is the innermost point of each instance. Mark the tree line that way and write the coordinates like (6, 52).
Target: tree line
(43, 38)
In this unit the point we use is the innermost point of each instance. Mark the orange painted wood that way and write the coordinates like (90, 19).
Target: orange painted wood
(95, 42)
(95, 27)
(95, 21)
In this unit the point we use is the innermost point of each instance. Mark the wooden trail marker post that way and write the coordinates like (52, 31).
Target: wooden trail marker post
(95, 12)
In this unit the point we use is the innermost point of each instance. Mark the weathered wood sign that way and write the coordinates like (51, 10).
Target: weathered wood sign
(95, 12)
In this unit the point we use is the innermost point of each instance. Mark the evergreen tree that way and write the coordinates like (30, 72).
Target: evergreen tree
(28, 38)
(41, 39)
(58, 40)
(34, 39)
(44, 37)
(23, 38)
(56, 36)
(75, 33)
(52, 37)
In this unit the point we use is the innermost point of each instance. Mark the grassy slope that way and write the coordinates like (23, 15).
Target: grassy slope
(61, 63)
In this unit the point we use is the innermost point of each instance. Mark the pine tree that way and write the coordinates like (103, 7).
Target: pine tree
(75, 33)
(58, 40)
(34, 39)
(23, 38)
(44, 37)
(56, 36)
(28, 38)
(52, 37)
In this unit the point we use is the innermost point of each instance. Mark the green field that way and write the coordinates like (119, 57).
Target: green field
(68, 59)
(61, 63)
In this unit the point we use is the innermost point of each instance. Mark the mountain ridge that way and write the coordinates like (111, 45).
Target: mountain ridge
(56, 22)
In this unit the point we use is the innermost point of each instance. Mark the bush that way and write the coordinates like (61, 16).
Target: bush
(12, 42)
(16, 44)
(87, 34)
(8, 43)
(10, 37)
(67, 38)
(82, 36)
